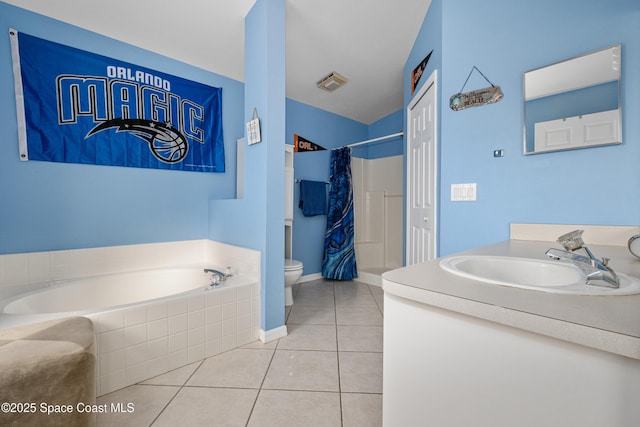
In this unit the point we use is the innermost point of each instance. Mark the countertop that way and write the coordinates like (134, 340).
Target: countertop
(609, 323)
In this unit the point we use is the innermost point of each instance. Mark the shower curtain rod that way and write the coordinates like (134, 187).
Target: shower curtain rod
(368, 141)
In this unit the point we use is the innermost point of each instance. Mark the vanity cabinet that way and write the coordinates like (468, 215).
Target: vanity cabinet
(458, 352)
(443, 368)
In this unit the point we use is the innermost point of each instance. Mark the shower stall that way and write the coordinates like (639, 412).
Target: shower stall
(378, 201)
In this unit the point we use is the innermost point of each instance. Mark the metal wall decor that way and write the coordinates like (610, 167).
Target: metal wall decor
(475, 98)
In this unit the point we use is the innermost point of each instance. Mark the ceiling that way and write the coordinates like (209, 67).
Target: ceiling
(366, 41)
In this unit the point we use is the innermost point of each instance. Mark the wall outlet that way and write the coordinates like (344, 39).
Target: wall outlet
(463, 192)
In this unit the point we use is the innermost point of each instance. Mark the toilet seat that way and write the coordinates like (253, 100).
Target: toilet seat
(292, 265)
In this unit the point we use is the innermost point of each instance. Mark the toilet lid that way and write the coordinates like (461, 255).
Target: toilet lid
(292, 264)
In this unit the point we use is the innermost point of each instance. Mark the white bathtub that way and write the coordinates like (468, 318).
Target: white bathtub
(148, 322)
(88, 295)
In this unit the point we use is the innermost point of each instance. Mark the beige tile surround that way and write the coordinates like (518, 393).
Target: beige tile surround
(24, 271)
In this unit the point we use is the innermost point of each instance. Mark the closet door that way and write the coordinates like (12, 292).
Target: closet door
(421, 175)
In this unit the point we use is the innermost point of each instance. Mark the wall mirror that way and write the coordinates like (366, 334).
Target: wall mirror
(574, 103)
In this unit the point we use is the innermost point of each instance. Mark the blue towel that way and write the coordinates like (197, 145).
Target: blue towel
(313, 198)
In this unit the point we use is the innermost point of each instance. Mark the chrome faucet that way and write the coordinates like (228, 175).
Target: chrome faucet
(597, 270)
(218, 276)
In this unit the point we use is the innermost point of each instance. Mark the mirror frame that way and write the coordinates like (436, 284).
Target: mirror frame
(616, 50)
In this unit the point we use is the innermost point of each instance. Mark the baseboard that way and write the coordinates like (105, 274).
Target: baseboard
(364, 277)
(310, 277)
(273, 334)
(369, 278)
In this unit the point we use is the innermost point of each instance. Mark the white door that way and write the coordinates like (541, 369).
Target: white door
(421, 174)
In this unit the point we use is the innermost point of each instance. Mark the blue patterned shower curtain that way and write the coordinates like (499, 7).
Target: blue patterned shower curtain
(339, 254)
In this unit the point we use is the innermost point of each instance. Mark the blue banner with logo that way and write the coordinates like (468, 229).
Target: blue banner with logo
(79, 107)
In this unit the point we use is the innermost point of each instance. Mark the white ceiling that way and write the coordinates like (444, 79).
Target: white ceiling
(367, 41)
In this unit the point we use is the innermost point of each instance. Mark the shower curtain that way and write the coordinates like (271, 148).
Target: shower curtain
(339, 260)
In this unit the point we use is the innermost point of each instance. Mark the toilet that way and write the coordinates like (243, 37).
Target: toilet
(292, 267)
(292, 273)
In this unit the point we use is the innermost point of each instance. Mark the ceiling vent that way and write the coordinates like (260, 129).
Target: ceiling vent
(332, 82)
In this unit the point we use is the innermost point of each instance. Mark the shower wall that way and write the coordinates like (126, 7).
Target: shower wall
(377, 190)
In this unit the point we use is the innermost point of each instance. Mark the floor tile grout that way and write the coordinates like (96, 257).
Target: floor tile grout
(177, 392)
(335, 314)
(264, 377)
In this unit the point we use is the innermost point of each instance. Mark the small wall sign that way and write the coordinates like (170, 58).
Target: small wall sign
(475, 98)
(253, 129)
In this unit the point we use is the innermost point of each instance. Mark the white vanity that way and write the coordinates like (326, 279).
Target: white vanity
(460, 352)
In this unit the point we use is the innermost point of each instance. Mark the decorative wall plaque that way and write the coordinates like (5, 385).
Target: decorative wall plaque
(475, 98)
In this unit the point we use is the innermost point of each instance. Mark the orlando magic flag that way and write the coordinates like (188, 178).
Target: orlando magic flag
(79, 107)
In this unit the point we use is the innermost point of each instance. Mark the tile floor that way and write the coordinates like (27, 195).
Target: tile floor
(326, 372)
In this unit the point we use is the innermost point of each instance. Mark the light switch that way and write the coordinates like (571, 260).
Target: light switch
(463, 192)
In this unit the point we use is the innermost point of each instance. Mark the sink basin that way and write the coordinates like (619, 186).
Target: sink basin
(526, 273)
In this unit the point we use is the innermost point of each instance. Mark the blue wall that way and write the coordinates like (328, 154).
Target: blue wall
(257, 220)
(505, 39)
(389, 125)
(54, 206)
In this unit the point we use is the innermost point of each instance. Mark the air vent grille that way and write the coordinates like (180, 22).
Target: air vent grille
(332, 82)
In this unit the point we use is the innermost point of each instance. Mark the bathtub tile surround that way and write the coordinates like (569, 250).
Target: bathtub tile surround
(138, 343)
(326, 372)
(21, 272)
(144, 340)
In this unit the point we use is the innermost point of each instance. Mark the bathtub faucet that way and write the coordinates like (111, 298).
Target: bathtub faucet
(219, 274)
